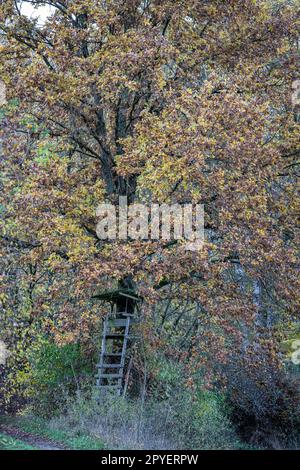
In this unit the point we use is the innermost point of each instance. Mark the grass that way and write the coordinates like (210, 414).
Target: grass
(40, 428)
(10, 443)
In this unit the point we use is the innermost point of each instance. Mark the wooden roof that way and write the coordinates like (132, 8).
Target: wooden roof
(114, 295)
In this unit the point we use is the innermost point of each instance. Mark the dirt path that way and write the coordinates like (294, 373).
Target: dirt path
(38, 442)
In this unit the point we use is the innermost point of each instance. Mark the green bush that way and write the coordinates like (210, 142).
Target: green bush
(56, 373)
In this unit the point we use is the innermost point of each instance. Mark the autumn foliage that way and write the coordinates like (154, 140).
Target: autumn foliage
(162, 101)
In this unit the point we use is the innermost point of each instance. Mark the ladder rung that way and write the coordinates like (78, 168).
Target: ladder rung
(99, 366)
(112, 354)
(114, 335)
(108, 386)
(108, 366)
(110, 376)
(119, 322)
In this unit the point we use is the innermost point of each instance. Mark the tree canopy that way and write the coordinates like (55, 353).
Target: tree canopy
(164, 101)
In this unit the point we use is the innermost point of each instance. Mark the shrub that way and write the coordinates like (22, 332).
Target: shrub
(182, 421)
(265, 402)
(55, 374)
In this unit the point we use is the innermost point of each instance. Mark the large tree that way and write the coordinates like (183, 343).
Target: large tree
(167, 101)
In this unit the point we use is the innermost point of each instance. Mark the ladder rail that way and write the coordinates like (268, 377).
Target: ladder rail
(123, 357)
(103, 345)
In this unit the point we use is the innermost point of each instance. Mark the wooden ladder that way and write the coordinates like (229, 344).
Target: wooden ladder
(113, 352)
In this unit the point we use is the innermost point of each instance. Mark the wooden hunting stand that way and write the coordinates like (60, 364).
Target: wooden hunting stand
(116, 333)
